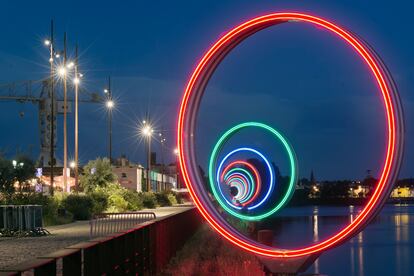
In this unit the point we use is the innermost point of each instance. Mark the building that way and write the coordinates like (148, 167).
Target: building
(134, 177)
(403, 192)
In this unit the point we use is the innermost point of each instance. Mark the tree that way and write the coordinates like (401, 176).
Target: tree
(7, 178)
(23, 170)
(20, 170)
(97, 173)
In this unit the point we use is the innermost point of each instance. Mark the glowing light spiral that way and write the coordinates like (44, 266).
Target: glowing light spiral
(251, 194)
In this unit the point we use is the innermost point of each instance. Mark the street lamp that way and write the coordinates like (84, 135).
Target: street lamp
(76, 82)
(62, 71)
(162, 141)
(147, 131)
(70, 65)
(49, 44)
(109, 105)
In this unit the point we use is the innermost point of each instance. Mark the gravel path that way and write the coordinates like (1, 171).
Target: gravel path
(17, 250)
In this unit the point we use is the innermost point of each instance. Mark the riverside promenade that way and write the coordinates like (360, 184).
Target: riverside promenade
(17, 250)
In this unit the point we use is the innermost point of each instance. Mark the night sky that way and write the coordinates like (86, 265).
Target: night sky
(297, 78)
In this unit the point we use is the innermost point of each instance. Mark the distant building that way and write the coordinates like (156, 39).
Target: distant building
(358, 189)
(402, 192)
(134, 176)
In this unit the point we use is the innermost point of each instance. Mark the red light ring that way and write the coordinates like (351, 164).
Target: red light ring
(191, 101)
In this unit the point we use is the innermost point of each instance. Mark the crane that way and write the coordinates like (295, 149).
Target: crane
(39, 92)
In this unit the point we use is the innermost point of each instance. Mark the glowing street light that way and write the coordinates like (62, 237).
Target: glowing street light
(110, 104)
(76, 80)
(176, 151)
(72, 165)
(147, 131)
(47, 42)
(62, 71)
(70, 65)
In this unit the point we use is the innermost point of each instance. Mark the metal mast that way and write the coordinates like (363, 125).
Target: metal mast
(65, 105)
(76, 81)
(52, 109)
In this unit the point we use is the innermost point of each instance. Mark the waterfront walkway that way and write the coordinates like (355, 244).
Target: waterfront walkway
(17, 250)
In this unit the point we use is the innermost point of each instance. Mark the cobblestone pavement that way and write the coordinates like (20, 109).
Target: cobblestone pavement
(17, 250)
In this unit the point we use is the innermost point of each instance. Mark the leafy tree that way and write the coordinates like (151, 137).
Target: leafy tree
(21, 169)
(7, 177)
(97, 173)
(24, 170)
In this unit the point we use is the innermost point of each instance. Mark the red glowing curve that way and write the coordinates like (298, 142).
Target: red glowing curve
(393, 153)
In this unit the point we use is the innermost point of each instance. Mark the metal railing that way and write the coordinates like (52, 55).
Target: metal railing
(106, 223)
(21, 220)
(145, 250)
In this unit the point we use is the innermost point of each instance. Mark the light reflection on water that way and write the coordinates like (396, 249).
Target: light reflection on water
(383, 248)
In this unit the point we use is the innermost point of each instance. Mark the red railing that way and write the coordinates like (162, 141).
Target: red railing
(145, 250)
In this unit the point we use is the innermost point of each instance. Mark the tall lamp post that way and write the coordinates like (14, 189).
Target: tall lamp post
(109, 105)
(76, 82)
(65, 116)
(62, 71)
(147, 133)
(49, 44)
(162, 141)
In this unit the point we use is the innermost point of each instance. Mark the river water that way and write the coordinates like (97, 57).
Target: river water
(385, 247)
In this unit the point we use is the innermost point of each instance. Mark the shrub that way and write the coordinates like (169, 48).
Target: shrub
(149, 200)
(100, 202)
(97, 173)
(117, 203)
(179, 198)
(172, 199)
(134, 200)
(81, 206)
(166, 198)
(162, 199)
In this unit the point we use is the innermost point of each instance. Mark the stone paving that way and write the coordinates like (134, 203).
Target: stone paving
(17, 250)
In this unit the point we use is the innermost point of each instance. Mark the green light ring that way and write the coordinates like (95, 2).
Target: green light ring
(250, 177)
(292, 161)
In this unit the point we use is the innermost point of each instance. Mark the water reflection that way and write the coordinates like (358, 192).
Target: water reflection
(315, 235)
(383, 248)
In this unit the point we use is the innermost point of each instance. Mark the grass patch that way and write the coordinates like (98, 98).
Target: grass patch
(208, 254)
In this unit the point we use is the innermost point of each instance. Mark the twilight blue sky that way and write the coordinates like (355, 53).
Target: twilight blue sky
(297, 78)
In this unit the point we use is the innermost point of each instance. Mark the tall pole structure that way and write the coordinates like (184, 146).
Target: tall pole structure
(162, 140)
(149, 134)
(149, 162)
(76, 82)
(52, 108)
(65, 130)
(110, 119)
